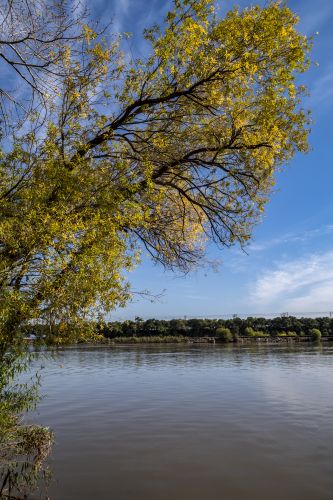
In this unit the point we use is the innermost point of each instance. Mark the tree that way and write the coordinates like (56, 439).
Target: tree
(315, 333)
(164, 152)
(224, 334)
(35, 37)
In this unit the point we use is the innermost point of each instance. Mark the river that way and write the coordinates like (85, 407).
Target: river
(190, 422)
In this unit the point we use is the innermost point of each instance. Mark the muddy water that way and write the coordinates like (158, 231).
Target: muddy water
(182, 422)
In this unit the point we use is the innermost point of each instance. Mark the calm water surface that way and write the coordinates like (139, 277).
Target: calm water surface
(190, 422)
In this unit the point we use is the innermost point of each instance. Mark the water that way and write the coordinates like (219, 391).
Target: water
(182, 422)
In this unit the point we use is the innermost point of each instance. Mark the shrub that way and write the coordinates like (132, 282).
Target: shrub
(249, 332)
(223, 334)
(259, 334)
(315, 334)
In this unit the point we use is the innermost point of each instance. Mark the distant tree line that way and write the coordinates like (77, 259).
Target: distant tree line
(225, 329)
(249, 327)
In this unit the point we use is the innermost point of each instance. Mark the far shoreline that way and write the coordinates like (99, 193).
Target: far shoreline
(215, 340)
(132, 341)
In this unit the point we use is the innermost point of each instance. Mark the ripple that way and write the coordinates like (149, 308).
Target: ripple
(190, 422)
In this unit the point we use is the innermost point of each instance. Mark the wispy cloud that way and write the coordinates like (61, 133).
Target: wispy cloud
(284, 239)
(304, 284)
(312, 20)
(120, 13)
(321, 91)
(112, 11)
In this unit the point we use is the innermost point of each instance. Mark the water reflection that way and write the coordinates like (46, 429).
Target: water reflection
(191, 422)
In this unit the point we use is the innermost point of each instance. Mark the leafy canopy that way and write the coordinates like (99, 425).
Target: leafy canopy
(162, 153)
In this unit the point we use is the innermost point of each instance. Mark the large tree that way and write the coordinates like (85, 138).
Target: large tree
(162, 153)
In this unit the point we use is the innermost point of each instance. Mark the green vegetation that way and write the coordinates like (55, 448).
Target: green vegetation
(250, 332)
(315, 333)
(227, 330)
(224, 330)
(23, 448)
(223, 333)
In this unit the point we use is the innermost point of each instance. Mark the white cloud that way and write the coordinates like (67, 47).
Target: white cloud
(298, 285)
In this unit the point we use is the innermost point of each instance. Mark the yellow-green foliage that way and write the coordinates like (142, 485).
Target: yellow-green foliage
(162, 153)
(224, 334)
(315, 333)
(250, 332)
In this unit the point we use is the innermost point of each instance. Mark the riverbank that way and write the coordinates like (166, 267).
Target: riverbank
(212, 340)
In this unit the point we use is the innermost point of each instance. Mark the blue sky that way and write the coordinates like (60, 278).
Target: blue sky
(288, 266)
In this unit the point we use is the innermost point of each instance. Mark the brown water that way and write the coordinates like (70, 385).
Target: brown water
(190, 422)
